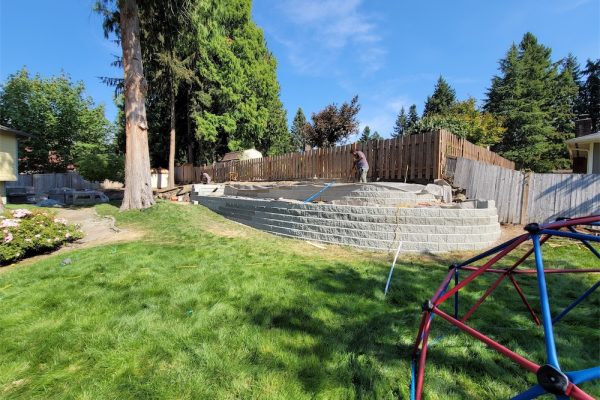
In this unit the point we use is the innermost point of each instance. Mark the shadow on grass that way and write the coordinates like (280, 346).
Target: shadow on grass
(354, 319)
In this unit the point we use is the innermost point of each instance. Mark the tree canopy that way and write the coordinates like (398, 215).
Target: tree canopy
(401, 124)
(464, 119)
(61, 116)
(212, 58)
(535, 98)
(333, 124)
(297, 130)
(590, 93)
(441, 100)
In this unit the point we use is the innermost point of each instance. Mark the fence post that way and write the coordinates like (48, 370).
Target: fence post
(525, 198)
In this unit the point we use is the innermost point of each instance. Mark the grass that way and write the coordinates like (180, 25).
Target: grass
(203, 308)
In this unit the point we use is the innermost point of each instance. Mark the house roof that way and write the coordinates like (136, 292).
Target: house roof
(591, 138)
(14, 131)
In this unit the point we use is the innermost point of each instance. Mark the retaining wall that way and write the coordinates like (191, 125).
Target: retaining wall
(431, 229)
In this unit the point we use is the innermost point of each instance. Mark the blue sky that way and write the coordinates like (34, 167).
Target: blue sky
(389, 52)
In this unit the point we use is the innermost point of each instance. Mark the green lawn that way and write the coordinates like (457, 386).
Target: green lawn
(204, 308)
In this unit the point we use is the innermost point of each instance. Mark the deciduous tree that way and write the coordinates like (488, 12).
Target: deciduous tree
(333, 124)
(60, 114)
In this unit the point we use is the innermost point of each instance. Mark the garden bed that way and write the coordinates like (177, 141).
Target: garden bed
(27, 232)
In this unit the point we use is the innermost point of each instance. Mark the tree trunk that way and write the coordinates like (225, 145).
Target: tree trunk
(191, 137)
(138, 182)
(172, 141)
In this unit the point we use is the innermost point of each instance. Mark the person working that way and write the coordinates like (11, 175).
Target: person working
(361, 166)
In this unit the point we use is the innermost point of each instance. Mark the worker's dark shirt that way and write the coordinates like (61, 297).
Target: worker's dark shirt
(361, 160)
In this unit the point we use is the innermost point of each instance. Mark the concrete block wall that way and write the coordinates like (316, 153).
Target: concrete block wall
(368, 227)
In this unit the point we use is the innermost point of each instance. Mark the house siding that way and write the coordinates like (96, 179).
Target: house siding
(8, 157)
(596, 159)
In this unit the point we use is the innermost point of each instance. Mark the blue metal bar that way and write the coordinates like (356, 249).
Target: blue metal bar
(412, 379)
(573, 304)
(545, 305)
(485, 254)
(570, 235)
(456, 294)
(584, 375)
(314, 196)
(531, 393)
(586, 243)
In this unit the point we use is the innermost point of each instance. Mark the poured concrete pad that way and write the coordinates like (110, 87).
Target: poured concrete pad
(380, 193)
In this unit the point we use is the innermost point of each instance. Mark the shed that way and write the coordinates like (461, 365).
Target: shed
(9, 161)
(241, 155)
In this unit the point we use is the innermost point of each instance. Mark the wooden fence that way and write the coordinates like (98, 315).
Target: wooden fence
(527, 197)
(44, 182)
(416, 158)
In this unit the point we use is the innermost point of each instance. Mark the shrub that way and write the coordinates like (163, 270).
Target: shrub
(25, 233)
(97, 163)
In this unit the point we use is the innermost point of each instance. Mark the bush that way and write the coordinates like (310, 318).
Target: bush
(97, 163)
(26, 233)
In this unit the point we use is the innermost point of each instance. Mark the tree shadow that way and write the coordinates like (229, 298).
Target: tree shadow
(357, 335)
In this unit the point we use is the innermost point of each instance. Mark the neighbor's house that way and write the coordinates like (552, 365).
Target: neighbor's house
(585, 148)
(9, 162)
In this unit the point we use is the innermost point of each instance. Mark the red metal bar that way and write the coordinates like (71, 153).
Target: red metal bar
(577, 394)
(558, 271)
(480, 270)
(420, 334)
(533, 271)
(485, 295)
(572, 222)
(516, 285)
(529, 252)
(522, 361)
(422, 359)
(500, 279)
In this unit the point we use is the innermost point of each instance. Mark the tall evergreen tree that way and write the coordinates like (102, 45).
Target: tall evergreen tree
(535, 100)
(123, 18)
(571, 65)
(167, 60)
(366, 135)
(238, 105)
(401, 125)
(297, 130)
(413, 118)
(565, 96)
(441, 100)
(590, 93)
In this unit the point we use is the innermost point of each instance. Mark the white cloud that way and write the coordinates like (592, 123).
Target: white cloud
(569, 5)
(321, 32)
